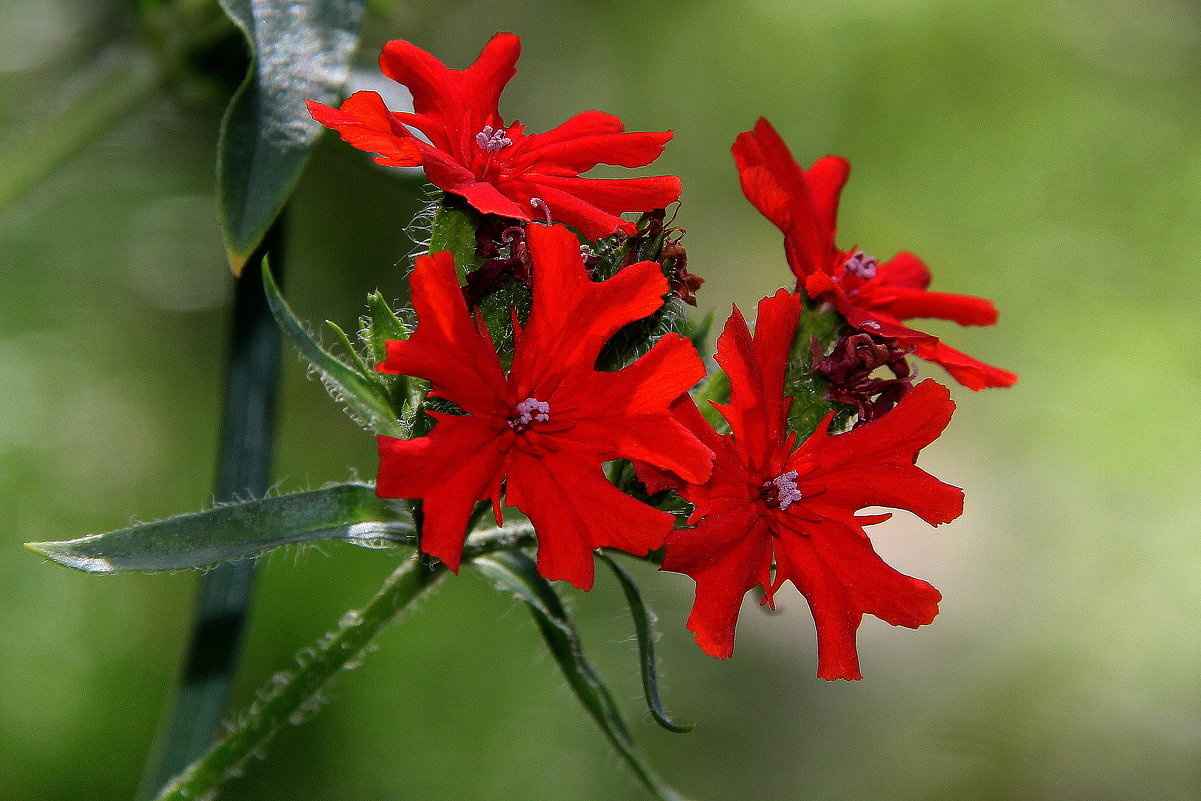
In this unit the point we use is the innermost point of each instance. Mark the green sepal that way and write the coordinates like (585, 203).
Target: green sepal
(633, 340)
(644, 630)
(406, 393)
(714, 389)
(453, 229)
(699, 331)
(380, 324)
(366, 399)
(516, 572)
(298, 51)
(350, 512)
(513, 300)
(808, 390)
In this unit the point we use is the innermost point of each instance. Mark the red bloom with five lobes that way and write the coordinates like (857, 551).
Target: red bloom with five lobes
(872, 296)
(498, 167)
(547, 425)
(767, 502)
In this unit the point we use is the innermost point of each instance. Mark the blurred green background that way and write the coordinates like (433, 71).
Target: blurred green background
(1045, 154)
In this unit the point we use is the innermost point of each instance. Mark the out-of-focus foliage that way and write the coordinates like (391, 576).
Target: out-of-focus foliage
(1043, 153)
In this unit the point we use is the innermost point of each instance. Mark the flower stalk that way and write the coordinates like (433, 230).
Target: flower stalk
(291, 694)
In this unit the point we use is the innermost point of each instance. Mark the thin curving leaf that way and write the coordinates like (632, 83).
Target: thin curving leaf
(365, 396)
(643, 628)
(350, 512)
(516, 572)
(299, 49)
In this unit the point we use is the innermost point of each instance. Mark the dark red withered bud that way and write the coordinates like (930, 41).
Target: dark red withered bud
(657, 240)
(849, 368)
(506, 256)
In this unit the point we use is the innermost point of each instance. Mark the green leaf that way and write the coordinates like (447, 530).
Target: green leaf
(453, 229)
(516, 572)
(806, 388)
(381, 324)
(715, 388)
(365, 396)
(350, 512)
(300, 49)
(643, 622)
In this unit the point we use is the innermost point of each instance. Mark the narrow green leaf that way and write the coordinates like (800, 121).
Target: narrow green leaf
(357, 362)
(381, 324)
(365, 397)
(300, 49)
(350, 512)
(516, 572)
(643, 623)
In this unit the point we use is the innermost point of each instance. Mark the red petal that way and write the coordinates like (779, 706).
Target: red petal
(575, 510)
(726, 554)
(756, 367)
(904, 269)
(803, 206)
(624, 414)
(873, 465)
(872, 585)
(365, 122)
(585, 140)
(591, 205)
(834, 614)
(454, 105)
(458, 464)
(447, 348)
(573, 317)
(450, 176)
(903, 304)
(972, 373)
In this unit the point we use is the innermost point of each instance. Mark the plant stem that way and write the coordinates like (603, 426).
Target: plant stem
(292, 695)
(287, 700)
(243, 470)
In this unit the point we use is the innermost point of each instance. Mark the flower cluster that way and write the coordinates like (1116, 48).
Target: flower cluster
(541, 428)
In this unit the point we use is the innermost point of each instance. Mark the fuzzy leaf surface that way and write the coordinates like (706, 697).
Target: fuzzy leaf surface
(350, 512)
(366, 398)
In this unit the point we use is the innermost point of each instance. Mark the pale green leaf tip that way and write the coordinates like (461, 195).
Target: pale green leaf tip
(63, 554)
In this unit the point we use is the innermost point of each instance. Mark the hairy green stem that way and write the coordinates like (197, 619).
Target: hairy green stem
(291, 695)
(244, 467)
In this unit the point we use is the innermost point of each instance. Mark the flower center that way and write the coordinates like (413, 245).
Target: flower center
(531, 410)
(861, 265)
(492, 139)
(781, 492)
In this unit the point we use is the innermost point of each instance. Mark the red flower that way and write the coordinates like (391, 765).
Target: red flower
(549, 424)
(496, 166)
(768, 503)
(871, 295)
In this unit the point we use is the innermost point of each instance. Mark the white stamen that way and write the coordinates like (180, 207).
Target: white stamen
(530, 410)
(492, 139)
(786, 489)
(861, 265)
(541, 205)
